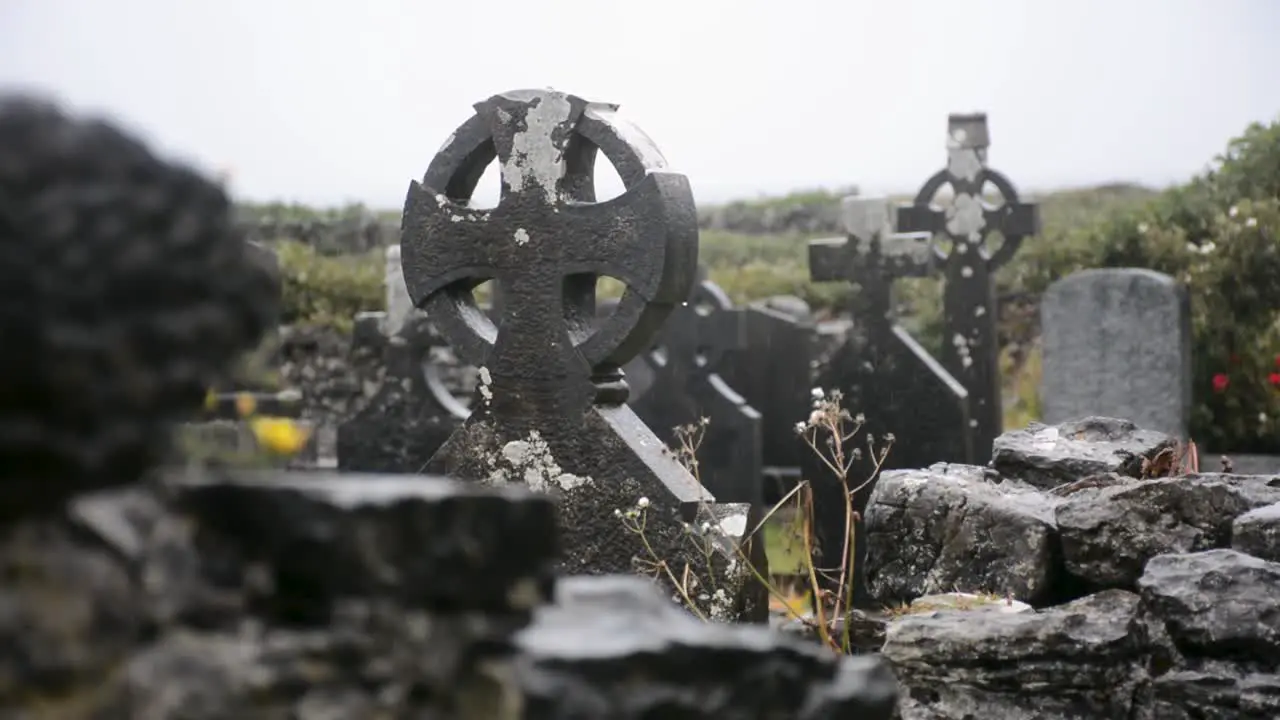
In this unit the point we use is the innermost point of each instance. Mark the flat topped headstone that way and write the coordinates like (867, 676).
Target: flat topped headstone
(1117, 343)
(688, 387)
(410, 416)
(550, 409)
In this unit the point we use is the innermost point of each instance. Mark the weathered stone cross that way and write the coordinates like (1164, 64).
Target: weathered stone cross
(971, 353)
(550, 408)
(872, 256)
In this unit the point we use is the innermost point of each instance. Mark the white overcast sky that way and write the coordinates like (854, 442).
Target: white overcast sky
(327, 101)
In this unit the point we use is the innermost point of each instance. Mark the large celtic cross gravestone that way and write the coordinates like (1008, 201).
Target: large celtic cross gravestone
(881, 370)
(550, 409)
(970, 350)
(687, 387)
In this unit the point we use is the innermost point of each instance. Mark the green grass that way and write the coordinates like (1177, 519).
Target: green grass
(783, 544)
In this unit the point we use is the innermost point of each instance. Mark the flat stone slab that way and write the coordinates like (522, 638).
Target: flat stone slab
(1050, 455)
(1257, 533)
(1085, 659)
(614, 629)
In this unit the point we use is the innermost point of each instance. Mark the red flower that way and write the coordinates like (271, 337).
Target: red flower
(1220, 382)
(1274, 378)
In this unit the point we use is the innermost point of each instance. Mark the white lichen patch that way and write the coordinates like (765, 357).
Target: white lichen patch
(962, 162)
(631, 135)
(865, 217)
(530, 461)
(962, 349)
(521, 236)
(536, 160)
(734, 526)
(486, 392)
(965, 218)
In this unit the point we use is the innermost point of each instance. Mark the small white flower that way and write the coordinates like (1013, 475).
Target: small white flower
(617, 512)
(1233, 211)
(1262, 418)
(706, 527)
(815, 417)
(1251, 222)
(642, 503)
(800, 428)
(817, 393)
(1142, 227)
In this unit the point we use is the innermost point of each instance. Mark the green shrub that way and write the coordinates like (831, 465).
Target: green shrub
(329, 290)
(1219, 235)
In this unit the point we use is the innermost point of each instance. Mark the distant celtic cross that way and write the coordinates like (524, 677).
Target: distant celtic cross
(547, 371)
(872, 256)
(970, 351)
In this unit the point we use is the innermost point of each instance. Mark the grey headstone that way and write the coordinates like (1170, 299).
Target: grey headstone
(1117, 343)
(399, 304)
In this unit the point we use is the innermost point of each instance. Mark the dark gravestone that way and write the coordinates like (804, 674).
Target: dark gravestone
(882, 372)
(687, 387)
(412, 414)
(970, 350)
(551, 410)
(773, 372)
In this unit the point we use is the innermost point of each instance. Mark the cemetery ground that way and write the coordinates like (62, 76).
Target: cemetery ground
(1205, 233)
(476, 559)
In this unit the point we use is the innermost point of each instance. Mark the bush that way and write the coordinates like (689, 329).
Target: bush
(329, 290)
(1219, 235)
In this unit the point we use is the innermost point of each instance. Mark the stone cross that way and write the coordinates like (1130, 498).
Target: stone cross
(871, 256)
(550, 408)
(687, 386)
(882, 372)
(1117, 343)
(971, 352)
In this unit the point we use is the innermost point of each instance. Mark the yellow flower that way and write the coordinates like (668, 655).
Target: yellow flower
(281, 436)
(211, 400)
(245, 404)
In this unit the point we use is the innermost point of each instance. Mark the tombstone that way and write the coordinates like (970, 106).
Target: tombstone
(882, 371)
(688, 387)
(773, 372)
(412, 414)
(550, 410)
(970, 350)
(399, 306)
(1117, 343)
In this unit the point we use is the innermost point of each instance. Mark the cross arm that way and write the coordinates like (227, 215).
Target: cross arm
(828, 259)
(442, 242)
(647, 238)
(920, 218)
